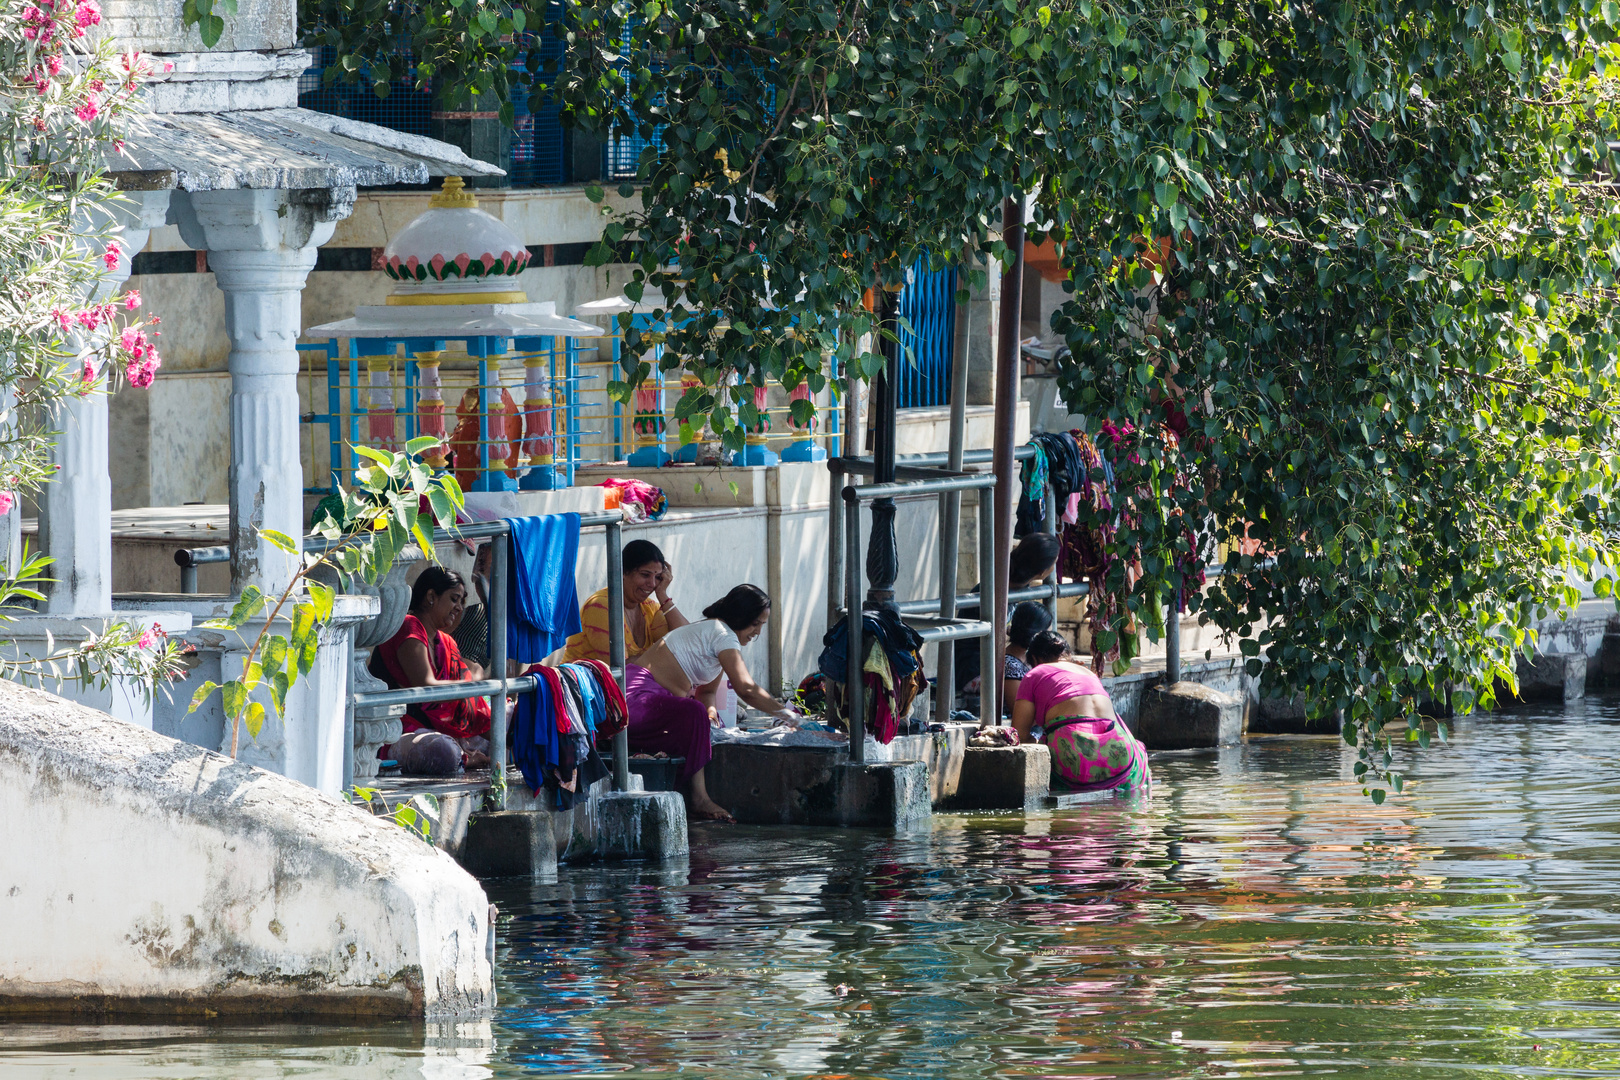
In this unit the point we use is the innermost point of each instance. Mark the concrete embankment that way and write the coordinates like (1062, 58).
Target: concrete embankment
(149, 876)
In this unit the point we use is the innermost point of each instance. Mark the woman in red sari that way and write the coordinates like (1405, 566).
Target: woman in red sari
(441, 736)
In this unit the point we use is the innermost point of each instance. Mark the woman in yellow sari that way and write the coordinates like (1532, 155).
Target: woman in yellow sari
(649, 613)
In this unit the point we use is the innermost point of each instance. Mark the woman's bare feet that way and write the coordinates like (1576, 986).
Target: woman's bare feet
(708, 810)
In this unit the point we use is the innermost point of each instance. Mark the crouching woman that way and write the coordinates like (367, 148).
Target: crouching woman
(1066, 705)
(670, 688)
(441, 737)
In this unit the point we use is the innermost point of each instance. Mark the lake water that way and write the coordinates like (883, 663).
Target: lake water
(1260, 917)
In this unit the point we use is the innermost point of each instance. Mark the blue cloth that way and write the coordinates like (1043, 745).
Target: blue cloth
(536, 743)
(590, 692)
(542, 609)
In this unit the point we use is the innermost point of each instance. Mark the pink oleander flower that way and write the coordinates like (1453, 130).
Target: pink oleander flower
(149, 637)
(133, 342)
(33, 16)
(53, 64)
(97, 85)
(42, 85)
(63, 319)
(118, 146)
(110, 257)
(39, 123)
(30, 33)
(7, 500)
(86, 113)
(88, 13)
(168, 66)
(132, 300)
(141, 373)
(88, 375)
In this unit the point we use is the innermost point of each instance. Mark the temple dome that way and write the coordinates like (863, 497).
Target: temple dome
(455, 248)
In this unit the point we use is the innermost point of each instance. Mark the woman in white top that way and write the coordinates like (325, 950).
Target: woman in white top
(670, 688)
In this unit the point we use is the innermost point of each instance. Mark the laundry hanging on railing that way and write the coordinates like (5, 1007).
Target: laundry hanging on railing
(556, 729)
(639, 499)
(893, 673)
(1057, 461)
(542, 608)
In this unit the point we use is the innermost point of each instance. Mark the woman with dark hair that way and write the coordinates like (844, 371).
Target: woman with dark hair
(1028, 619)
(442, 736)
(1028, 564)
(649, 613)
(670, 688)
(1092, 749)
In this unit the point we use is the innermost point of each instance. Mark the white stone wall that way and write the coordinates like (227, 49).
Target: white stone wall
(154, 26)
(142, 872)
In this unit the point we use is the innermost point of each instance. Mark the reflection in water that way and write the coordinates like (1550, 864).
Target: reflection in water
(1260, 917)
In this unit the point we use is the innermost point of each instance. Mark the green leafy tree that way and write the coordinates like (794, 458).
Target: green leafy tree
(1386, 311)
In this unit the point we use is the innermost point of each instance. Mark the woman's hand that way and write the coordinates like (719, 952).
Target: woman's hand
(666, 576)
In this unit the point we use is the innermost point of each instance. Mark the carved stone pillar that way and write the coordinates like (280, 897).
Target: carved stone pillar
(75, 508)
(261, 246)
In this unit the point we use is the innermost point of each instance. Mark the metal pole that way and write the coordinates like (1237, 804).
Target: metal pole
(500, 566)
(1172, 639)
(615, 587)
(1006, 421)
(883, 553)
(1052, 527)
(188, 579)
(854, 684)
(989, 655)
(837, 478)
(950, 503)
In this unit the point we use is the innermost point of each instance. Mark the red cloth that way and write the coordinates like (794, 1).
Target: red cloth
(618, 710)
(559, 713)
(469, 716)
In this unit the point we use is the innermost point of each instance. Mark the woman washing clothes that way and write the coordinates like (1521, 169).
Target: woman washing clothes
(649, 613)
(670, 688)
(441, 737)
(1028, 619)
(1092, 749)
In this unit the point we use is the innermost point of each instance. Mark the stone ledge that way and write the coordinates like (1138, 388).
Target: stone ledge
(167, 878)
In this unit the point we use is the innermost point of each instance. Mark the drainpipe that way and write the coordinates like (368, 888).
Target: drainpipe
(1006, 427)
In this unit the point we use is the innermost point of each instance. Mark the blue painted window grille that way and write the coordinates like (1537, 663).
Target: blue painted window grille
(405, 108)
(537, 143)
(928, 304)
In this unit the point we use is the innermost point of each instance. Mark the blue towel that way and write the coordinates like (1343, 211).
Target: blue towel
(534, 735)
(542, 609)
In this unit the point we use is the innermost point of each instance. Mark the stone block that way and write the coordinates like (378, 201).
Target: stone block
(1609, 658)
(1286, 716)
(1003, 778)
(510, 843)
(884, 794)
(792, 785)
(1553, 677)
(657, 774)
(1188, 716)
(641, 825)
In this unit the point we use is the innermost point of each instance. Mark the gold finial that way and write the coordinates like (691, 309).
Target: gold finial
(725, 166)
(453, 196)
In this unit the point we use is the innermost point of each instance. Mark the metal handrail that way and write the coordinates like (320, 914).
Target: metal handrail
(497, 689)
